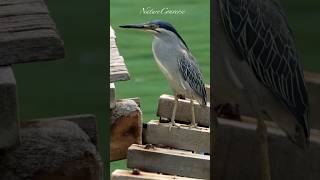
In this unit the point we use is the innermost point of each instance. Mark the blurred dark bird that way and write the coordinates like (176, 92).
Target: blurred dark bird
(256, 52)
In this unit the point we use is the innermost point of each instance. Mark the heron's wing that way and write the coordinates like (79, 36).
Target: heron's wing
(191, 73)
(259, 32)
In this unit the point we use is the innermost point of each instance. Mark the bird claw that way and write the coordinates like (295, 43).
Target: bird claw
(194, 126)
(173, 124)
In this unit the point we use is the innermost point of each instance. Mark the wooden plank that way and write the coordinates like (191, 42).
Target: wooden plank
(27, 33)
(126, 128)
(183, 137)
(226, 93)
(141, 175)
(236, 144)
(87, 122)
(169, 161)
(112, 96)
(183, 113)
(118, 69)
(9, 121)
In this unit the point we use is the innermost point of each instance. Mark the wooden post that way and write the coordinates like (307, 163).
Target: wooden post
(183, 137)
(126, 128)
(169, 161)
(9, 122)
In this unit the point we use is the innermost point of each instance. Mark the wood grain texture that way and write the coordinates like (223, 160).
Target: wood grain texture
(169, 161)
(27, 33)
(128, 175)
(236, 153)
(182, 137)
(183, 113)
(118, 69)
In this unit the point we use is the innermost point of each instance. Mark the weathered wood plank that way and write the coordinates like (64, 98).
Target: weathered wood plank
(169, 161)
(235, 96)
(236, 144)
(9, 122)
(112, 96)
(27, 33)
(87, 122)
(183, 137)
(126, 128)
(118, 69)
(183, 113)
(141, 175)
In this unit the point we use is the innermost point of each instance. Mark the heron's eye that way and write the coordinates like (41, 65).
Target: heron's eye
(153, 26)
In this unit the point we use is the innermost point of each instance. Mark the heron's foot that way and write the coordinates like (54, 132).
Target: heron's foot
(173, 124)
(194, 125)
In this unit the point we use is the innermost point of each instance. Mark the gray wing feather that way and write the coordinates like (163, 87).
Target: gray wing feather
(259, 32)
(191, 73)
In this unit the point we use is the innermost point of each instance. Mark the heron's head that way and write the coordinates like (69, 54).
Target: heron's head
(158, 28)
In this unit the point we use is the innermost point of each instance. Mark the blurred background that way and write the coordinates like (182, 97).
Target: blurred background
(147, 81)
(76, 84)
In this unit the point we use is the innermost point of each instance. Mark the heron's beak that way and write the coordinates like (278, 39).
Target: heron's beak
(144, 26)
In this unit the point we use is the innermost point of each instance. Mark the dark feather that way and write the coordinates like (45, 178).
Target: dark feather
(259, 31)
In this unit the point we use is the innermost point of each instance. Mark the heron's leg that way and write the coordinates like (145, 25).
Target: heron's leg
(193, 116)
(174, 112)
(262, 137)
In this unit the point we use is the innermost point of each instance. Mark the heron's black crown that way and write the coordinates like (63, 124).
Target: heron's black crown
(167, 26)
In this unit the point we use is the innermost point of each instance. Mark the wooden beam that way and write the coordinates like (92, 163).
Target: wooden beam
(118, 69)
(9, 122)
(126, 128)
(183, 137)
(112, 96)
(141, 175)
(169, 161)
(183, 113)
(236, 144)
(27, 33)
